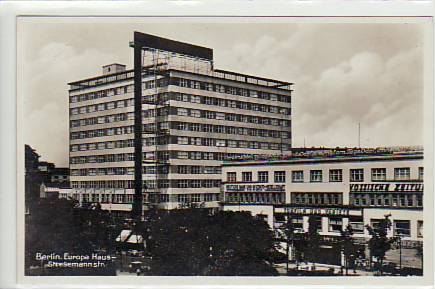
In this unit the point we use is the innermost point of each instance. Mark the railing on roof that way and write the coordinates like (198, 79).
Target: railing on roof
(331, 153)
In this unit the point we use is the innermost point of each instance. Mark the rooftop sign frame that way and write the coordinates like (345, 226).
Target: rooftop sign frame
(144, 40)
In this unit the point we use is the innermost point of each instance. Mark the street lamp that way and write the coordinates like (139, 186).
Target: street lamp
(399, 239)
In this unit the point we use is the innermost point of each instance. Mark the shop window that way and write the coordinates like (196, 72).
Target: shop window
(357, 224)
(335, 224)
(402, 228)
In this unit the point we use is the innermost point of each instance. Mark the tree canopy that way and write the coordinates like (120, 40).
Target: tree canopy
(193, 242)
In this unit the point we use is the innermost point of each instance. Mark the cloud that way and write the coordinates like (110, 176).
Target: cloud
(344, 74)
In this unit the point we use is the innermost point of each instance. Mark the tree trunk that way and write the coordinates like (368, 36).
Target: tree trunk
(287, 253)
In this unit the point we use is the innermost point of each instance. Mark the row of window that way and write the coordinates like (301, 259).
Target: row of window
(229, 89)
(102, 132)
(102, 158)
(335, 175)
(335, 224)
(230, 103)
(161, 198)
(102, 119)
(230, 130)
(199, 141)
(197, 113)
(102, 106)
(161, 184)
(255, 198)
(183, 83)
(146, 170)
(317, 198)
(114, 91)
(147, 184)
(387, 200)
(103, 80)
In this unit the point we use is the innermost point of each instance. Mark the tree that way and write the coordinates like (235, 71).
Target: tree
(193, 242)
(58, 226)
(311, 240)
(288, 234)
(379, 242)
(348, 247)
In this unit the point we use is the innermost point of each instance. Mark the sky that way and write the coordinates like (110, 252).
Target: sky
(344, 74)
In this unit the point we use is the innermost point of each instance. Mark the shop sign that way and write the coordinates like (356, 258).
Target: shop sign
(323, 211)
(395, 187)
(255, 188)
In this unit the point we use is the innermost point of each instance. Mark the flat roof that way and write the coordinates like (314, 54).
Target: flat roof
(329, 155)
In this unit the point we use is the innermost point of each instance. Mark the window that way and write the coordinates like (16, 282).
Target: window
(379, 174)
(195, 184)
(196, 197)
(357, 175)
(298, 223)
(183, 183)
(183, 198)
(420, 229)
(220, 143)
(297, 176)
(317, 222)
(183, 140)
(231, 177)
(336, 175)
(402, 228)
(315, 176)
(183, 169)
(195, 113)
(195, 170)
(279, 176)
(246, 176)
(182, 111)
(420, 173)
(263, 177)
(195, 127)
(357, 224)
(402, 173)
(335, 224)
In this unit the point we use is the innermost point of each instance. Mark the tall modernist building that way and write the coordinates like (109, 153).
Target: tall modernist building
(158, 133)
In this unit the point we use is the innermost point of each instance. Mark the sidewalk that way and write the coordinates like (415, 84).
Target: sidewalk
(281, 268)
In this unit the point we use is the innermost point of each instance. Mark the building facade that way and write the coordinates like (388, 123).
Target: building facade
(337, 188)
(194, 117)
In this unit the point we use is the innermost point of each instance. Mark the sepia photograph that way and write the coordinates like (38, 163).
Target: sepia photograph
(278, 147)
